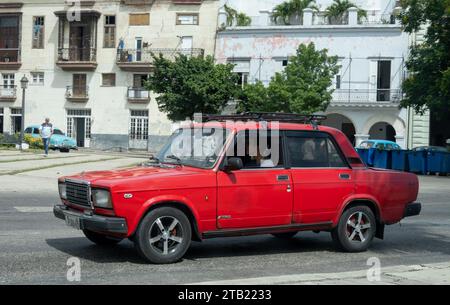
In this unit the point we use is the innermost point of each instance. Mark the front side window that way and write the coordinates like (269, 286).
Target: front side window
(258, 149)
(306, 150)
(58, 132)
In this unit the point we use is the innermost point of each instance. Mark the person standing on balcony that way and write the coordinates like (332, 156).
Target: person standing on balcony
(46, 132)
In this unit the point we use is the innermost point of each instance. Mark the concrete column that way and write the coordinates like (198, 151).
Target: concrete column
(352, 16)
(222, 18)
(7, 120)
(360, 138)
(307, 17)
(264, 18)
(400, 140)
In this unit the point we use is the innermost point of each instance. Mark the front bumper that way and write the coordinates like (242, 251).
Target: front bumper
(94, 223)
(412, 209)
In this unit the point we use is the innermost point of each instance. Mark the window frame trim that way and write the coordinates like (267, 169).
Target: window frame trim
(187, 14)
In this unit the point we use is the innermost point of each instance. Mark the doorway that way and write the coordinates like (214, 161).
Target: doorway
(384, 81)
(79, 42)
(79, 126)
(138, 137)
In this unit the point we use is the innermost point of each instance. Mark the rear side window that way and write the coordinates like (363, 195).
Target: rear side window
(28, 130)
(312, 150)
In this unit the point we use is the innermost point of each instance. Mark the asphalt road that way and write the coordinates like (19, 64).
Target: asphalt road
(35, 246)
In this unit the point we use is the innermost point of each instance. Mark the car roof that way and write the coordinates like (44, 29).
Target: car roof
(38, 126)
(380, 141)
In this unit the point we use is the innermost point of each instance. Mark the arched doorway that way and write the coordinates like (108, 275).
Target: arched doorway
(342, 123)
(382, 131)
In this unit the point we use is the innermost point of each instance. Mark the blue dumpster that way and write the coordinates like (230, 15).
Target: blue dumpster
(417, 162)
(364, 154)
(400, 160)
(382, 158)
(438, 162)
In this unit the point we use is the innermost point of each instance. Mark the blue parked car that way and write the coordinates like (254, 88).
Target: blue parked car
(58, 140)
(379, 144)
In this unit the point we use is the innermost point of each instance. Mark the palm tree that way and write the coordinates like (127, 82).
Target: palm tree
(243, 20)
(286, 10)
(231, 13)
(337, 12)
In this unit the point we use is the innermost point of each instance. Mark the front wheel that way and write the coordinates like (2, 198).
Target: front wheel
(356, 229)
(163, 236)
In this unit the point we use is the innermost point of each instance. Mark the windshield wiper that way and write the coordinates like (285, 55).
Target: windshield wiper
(173, 157)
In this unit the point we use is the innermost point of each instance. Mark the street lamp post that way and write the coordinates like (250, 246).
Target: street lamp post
(24, 85)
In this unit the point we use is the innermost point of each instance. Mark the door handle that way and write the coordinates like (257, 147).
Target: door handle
(344, 176)
(282, 178)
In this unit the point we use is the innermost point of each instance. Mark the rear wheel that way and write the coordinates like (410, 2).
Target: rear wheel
(356, 229)
(101, 239)
(285, 235)
(163, 236)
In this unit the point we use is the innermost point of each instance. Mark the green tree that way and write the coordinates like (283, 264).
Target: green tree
(303, 87)
(337, 11)
(191, 85)
(428, 83)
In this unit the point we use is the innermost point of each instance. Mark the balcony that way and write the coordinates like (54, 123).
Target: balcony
(10, 59)
(8, 93)
(142, 61)
(138, 95)
(365, 97)
(77, 94)
(77, 59)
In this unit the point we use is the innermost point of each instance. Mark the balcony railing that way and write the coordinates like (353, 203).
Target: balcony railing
(74, 54)
(77, 93)
(145, 55)
(10, 59)
(367, 96)
(8, 92)
(138, 94)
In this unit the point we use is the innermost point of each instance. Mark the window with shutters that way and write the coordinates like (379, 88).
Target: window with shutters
(108, 79)
(109, 39)
(38, 32)
(139, 19)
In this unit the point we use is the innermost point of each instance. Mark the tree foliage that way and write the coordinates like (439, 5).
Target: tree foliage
(191, 85)
(338, 10)
(285, 10)
(303, 87)
(428, 83)
(235, 17)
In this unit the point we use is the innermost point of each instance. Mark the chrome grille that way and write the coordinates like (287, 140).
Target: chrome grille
(78, 193)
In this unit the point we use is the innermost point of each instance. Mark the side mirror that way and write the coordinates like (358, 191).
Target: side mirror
(233, 164)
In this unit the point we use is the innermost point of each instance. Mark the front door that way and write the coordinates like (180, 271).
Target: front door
(260, 194)
(384, 81)
(80, 131)
(138, 129)
(322, 179)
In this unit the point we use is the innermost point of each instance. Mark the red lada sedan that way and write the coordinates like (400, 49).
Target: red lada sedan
(255, 174)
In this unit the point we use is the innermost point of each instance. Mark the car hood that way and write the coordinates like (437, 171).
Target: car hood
(143, 178)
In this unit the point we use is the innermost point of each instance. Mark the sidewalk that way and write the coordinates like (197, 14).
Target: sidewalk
(437, 274)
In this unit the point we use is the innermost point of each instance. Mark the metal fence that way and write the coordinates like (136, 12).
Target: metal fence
(8, 91)
(145, 55)
(75, 54)
(77, 91)
(364, 95)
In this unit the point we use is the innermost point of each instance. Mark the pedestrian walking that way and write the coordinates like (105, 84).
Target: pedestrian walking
(46, 132)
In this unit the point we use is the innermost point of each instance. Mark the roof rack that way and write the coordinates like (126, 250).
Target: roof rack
(312, 119)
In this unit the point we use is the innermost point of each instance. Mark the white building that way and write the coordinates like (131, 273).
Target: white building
(79, 78)
(371, 52)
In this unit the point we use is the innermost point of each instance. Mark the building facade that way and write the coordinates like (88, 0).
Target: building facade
(87, 62)
(371, 51)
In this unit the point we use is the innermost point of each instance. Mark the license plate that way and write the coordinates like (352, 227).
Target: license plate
(73, 221)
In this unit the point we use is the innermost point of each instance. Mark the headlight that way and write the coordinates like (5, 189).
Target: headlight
(62, 190)
(101, 198)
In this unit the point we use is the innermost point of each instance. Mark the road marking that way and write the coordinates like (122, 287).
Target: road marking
(34, 209)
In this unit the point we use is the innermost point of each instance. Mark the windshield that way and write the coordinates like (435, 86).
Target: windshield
(196, 147)
(57, 131)
(366, 144)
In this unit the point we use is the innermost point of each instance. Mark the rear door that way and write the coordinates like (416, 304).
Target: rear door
(322, 180)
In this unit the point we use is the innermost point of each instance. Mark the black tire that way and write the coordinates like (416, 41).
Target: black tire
(285, 235)
(163, 249)
(100, 239)
(347, 237)
(64, 150)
